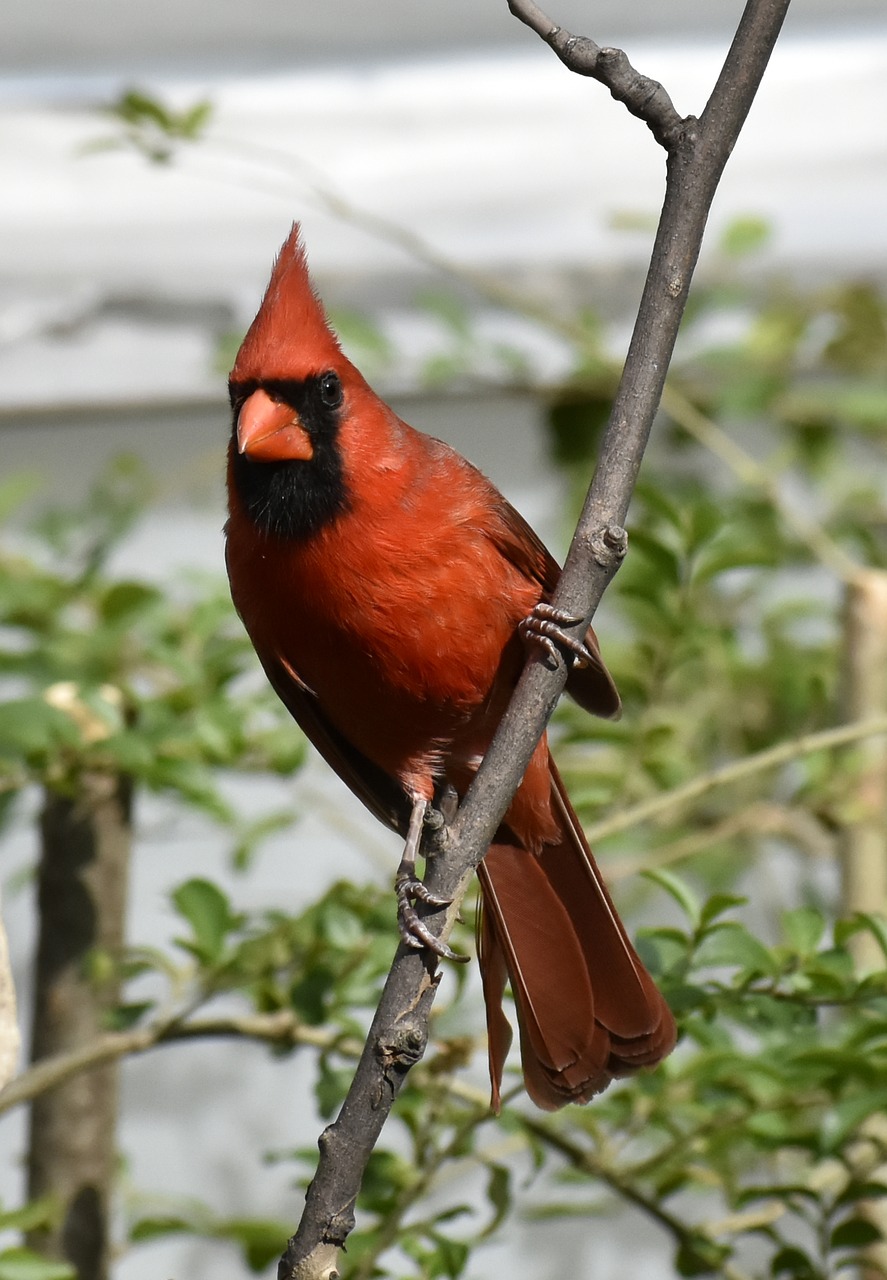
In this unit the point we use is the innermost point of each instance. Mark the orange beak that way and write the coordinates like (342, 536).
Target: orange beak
(270, 431)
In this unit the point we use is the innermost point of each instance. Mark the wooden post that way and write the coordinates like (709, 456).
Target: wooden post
(86, 841)
(863, 844)
(9, 1033)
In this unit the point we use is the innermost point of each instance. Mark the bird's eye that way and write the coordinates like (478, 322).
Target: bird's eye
(330, 390)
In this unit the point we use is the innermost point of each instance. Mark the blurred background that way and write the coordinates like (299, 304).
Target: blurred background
(430, 150)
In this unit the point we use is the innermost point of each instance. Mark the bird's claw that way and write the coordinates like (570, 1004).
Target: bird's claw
(410, 888)
(413, 930)
(544, 627)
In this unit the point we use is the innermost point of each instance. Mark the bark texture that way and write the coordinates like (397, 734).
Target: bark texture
(82, 885)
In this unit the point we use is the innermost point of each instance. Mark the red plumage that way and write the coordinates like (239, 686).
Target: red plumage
(382, 580)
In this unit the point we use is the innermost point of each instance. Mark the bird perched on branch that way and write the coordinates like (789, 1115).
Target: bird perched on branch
(390, 590)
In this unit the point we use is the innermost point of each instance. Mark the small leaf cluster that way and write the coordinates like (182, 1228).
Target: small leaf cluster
(152, 127)
(322, 965)
(122, 675)
(20, 1263)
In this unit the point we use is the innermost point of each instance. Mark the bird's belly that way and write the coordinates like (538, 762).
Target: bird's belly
(410, 663)
(402, 682)
(401, 700)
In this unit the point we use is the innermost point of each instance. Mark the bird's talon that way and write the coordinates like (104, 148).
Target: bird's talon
(544, 627)
(408, 888)
(413, 931)
(418, 936)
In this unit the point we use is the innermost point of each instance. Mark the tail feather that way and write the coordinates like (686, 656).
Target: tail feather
(494, 976)
(587, 1009)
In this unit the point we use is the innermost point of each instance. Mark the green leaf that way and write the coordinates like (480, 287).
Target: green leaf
(698, 1256)
(251, 834)
(363, 340)
(794, 1263)
(125, 1016)
(38, 1213)
(30, 727)
(876, 925)
(842, 1121)
(341, 928)
(803, 928)
(855, 1233)
(729, 943)
(447, 308)
(451, 1256)
(22, 1264)
(124, 601)
(386, 1175)
(680, 891)
(717, 904)
(262, 1240)
(499, 1196)
(331, 1087)
(209, 914)
(662, 558)
(16, 490)
(729, 552)
(745, 235)
(855, 1192)
(156, 1226)
(193, 121)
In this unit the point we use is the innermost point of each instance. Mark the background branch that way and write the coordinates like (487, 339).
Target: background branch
(697, 153)
(644, 98)
(281, 1027)
(736, 771)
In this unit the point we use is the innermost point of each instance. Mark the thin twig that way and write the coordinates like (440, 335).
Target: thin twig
(643, 97)
(756, 820)
(589, 1162)
(281, 1027)
(751, 472)
(735, 771)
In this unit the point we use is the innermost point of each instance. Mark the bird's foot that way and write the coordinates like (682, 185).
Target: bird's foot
(414, 932)
(408, 888)
(544, 627)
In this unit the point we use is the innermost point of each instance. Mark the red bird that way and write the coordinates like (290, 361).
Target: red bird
(388, 589)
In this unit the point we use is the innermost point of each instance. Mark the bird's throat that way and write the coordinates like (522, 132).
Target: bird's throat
(291, 500)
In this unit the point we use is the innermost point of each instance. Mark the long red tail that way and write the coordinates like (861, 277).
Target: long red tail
(588, 1010)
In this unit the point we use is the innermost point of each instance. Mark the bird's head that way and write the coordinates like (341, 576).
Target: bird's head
(288, 399)
(286, 383)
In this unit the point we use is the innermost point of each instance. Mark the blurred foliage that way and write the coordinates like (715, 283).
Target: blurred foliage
(146, 124)
(759, 1149)
(123, 675)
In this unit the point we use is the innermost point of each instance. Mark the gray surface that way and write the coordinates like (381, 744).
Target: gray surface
(116, 276)
(101, 37)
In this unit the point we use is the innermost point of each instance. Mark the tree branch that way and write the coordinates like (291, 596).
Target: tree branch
(644, 98)
(770, 758)
(281, 1028)
(751, 472)
(697, 153)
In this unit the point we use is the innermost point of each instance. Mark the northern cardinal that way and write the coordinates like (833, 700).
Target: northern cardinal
(389, 590)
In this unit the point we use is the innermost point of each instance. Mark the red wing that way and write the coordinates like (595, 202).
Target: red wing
(380, 793)
(592, 687)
